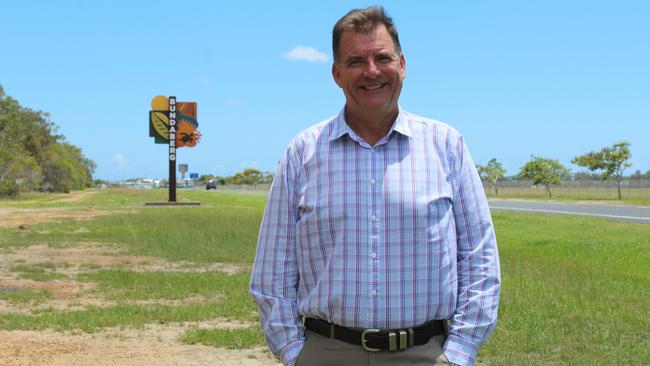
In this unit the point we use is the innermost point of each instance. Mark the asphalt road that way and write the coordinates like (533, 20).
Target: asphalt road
(618, 212)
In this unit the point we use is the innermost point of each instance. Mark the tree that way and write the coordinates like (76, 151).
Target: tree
(33, 156)
(544, 171)
(248, 176)
(204, 178)
(18, 171)
(612, 160)
(492, 172)
(638, 174)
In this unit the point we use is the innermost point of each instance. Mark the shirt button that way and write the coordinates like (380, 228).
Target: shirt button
(373, 217)
(373, 293)
(373, 181)
(374, 255)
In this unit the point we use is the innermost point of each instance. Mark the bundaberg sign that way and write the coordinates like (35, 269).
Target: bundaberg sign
(175, 124)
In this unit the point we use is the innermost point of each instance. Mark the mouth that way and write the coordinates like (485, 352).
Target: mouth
(373, 86)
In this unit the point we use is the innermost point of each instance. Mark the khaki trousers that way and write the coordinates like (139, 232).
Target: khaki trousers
(324, 351)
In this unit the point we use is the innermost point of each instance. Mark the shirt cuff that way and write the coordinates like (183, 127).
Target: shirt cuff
(289, 354)
(460, 352)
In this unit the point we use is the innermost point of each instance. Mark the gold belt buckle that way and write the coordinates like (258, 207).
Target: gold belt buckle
(363, 339)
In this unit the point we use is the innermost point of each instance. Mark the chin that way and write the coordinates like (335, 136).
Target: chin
(377, 106)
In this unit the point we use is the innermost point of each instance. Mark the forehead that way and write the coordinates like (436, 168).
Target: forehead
(375, 40)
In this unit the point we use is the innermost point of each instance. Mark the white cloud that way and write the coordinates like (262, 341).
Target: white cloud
(305, 53)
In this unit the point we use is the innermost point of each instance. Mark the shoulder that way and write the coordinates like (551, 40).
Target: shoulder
(428, 126)
(322, 128)
(313, 135)
(421, 122)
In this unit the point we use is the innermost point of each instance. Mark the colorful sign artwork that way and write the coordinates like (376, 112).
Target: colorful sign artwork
(185, 126)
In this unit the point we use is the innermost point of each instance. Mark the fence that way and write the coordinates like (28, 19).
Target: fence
(253, 188)
(630, 188)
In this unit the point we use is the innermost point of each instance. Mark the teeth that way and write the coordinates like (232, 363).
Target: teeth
(373, 87)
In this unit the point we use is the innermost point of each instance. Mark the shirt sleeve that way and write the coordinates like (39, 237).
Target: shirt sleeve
(477, 262)
(274, 280)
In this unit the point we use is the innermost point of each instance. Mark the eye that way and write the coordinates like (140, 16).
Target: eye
(354, 62)
(384, 59)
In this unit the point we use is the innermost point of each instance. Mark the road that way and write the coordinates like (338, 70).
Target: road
(619, 212)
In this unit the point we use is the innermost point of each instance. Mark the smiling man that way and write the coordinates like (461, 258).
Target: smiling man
(377, 245)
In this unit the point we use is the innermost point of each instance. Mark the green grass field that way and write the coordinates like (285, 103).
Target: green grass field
(635, 196)
(576, 291)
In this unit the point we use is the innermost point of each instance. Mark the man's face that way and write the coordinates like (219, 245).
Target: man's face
(370, 71)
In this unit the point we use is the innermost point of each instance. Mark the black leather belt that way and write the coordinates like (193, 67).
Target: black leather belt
(374, 340)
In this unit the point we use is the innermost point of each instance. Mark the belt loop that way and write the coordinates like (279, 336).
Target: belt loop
(392, 341)
(411, 337)
(331, 330)
(402, 339)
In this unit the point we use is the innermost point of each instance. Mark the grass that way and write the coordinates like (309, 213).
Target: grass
(37, 272)
(637, 198)
(26, 296)
(223, 229)
(576, 290)
(128, 285)
(95, 318)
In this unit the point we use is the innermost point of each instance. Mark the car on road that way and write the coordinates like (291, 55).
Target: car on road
(211, 184)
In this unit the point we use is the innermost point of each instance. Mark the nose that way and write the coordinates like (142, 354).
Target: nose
(371, 70)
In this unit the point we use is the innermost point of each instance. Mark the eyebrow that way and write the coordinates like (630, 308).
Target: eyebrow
(383, 52)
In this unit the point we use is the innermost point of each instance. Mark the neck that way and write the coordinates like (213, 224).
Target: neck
(371, 127)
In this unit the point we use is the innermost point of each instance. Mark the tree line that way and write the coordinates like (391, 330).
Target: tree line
(608, 162)
(247, 176)
(33, 156)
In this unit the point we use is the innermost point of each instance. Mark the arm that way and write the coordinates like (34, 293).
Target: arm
(274, 281)
(477, 262)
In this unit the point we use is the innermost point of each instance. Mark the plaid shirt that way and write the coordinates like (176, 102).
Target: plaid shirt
(385, 236)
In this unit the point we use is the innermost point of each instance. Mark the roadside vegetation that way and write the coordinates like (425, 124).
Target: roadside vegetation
(575, 290)
(558, 180)
(634, 196)
(33, 156)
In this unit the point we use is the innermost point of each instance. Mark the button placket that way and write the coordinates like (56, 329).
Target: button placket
(375, 224)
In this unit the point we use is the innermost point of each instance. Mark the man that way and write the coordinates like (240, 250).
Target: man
(377, 246)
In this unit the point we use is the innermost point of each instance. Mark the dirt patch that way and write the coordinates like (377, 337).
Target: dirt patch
(80, 254)
(74, 197)
(153, 345)
(93, 255)
(23, 217)
(68, 294)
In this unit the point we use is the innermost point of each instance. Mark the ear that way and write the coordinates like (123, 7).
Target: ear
(336, 74)
(402, 65)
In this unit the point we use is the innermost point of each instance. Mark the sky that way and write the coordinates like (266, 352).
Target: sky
(554, 79)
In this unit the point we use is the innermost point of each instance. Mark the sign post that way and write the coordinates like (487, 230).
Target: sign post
(172, 149)
(175, 124)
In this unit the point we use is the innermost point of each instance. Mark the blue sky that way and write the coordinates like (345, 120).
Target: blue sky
(516, 78)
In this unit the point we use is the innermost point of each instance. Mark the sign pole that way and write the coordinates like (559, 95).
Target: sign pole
(172, 149)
